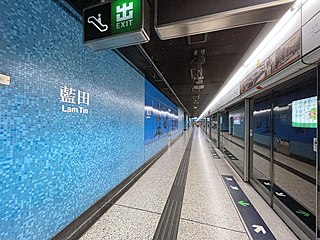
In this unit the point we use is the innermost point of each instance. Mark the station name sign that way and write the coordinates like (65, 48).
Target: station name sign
(116, 24)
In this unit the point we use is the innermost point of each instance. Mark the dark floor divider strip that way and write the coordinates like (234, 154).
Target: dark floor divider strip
(168, 225)
(229, 154)
(214, 153)
(295, 207)
(253, 221)
(81, 224)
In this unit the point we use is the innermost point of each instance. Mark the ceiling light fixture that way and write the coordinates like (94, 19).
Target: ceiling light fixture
(270, 42)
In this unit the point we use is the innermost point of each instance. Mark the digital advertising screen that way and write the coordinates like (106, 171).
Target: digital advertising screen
(237, 119)
(304, 113)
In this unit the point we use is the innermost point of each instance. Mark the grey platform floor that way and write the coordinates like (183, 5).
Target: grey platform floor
(207, 211)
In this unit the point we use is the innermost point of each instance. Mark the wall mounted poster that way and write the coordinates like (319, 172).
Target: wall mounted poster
(161, 115)
(304, 113)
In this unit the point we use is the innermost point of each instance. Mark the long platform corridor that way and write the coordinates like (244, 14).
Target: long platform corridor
(160, 120)
(202, 208)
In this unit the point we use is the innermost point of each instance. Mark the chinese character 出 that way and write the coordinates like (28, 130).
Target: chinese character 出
(125, 11)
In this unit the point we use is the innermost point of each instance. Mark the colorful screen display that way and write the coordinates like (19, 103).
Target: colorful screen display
(304, 113)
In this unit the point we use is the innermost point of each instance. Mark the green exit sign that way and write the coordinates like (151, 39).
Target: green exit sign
(125, 16)
(116, 24)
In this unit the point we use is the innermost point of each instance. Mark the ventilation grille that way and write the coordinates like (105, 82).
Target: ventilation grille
(199, 38)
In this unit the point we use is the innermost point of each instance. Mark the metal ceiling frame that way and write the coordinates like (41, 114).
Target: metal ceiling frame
(218, 21)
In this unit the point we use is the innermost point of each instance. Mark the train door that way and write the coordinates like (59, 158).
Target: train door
(223, 129)
(214, 129)
(261, 160)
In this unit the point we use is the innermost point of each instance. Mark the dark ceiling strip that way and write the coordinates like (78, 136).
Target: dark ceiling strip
(145, 54)
(128, 61)
(64, 7)
(157, 80)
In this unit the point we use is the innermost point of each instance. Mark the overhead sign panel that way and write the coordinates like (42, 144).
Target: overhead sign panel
(116, 24)
(126, 16)
(97, 23)
(188, 17)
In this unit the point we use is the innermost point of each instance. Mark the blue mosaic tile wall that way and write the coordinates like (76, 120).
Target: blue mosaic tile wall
(55, 164)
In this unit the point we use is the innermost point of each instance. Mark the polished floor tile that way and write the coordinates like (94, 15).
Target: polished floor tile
(152, 190)
(279, 229)
(206, 199)
(195, 231)
(121, 223)
(208, 211)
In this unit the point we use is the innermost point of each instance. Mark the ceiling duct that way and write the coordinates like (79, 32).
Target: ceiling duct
(175, 19)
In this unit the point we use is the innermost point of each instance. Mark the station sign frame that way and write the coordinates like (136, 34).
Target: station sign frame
(116, 24)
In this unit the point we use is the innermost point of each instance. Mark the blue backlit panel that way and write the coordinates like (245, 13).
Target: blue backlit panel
(161, 115)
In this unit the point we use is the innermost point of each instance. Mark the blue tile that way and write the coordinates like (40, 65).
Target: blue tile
(53, 164)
